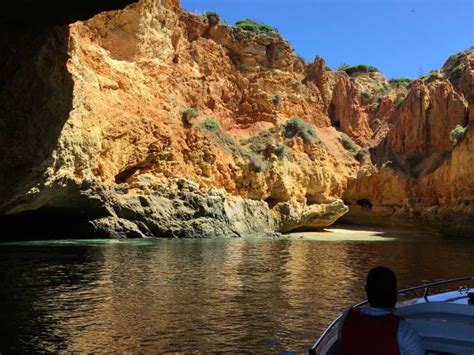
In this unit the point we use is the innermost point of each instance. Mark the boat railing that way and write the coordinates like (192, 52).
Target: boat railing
(425, 286)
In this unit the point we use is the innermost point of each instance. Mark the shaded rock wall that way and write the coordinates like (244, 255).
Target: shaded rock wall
(35, 102)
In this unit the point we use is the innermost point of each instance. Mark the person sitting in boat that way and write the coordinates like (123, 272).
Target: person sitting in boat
(375, 329)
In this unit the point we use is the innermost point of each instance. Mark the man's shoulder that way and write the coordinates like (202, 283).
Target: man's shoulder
(408, 339)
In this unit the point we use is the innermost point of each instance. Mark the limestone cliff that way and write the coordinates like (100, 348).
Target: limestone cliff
(421, 175)
(151, 121)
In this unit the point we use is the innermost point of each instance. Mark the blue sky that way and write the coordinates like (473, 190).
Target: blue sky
(403, 38)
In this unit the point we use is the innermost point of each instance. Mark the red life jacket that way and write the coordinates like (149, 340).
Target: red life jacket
(363, 334)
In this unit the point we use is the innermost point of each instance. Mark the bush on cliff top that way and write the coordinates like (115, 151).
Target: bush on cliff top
(212, 17)
(397, 81)
(361, 68)
(297, 127)
(254, 26)
(457, 133)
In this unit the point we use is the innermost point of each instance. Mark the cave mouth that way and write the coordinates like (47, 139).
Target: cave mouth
(47, 223)
(271, 202)
(364, 203)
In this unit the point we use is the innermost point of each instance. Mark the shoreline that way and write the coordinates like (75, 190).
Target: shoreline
(369, 233)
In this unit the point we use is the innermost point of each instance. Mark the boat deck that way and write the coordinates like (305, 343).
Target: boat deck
(444, 321)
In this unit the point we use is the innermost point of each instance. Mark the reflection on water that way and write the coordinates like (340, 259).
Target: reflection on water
(208, 295)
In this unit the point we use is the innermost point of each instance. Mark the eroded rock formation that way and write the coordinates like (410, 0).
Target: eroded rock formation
(151, 121)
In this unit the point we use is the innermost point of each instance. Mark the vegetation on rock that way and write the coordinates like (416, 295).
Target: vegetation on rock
(210, 124)
(212, 17)
(254, 26)
(361, 68)
(298, 127)
(190, 113)
(349, 144)
(399, 81)
(257, 164)
(457, 133)
(361, 154)
(375, 106)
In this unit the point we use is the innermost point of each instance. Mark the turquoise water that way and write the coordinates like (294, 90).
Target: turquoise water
(248, 294)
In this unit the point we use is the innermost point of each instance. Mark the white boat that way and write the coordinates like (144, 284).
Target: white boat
(444, 321)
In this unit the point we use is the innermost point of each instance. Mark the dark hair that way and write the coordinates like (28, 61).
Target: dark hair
(381, 287)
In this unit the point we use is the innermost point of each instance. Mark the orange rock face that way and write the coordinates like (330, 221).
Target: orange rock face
(178, 126)
(348, 113)
(424, 121)
(421, 174)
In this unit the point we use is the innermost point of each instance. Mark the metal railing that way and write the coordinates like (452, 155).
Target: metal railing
(426, 287)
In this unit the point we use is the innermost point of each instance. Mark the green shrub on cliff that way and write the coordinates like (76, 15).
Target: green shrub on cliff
(257, 164)
(361, 154)
(254, 26)
(280, 149)
(297, 127)
(398, 81)
(361, 68)
(210, 124)
(212, 17)
(283, 152)
(190, 113)
(457, 133)
(349, 144)
(375, 106)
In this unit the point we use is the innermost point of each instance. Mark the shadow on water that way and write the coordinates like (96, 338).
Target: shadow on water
(245, 294)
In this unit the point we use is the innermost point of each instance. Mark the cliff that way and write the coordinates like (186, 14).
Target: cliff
(151, 121)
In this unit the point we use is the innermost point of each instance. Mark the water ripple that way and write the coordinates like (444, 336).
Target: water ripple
(241, 295)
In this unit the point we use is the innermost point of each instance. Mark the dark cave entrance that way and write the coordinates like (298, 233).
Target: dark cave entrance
(364, 203)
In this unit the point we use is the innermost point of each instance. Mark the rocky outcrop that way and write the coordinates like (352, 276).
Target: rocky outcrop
(422, 125)
(151, 121)
(348, 112)
(131, 74)
(421, 176)
(459, 69)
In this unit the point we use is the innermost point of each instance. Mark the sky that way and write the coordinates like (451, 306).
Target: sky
(403, 38)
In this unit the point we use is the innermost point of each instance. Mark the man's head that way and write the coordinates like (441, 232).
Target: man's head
(381, 287)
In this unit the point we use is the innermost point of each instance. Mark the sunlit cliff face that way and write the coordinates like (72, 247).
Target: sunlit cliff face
(151, 121)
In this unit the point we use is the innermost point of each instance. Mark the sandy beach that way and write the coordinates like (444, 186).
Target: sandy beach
(368, 234)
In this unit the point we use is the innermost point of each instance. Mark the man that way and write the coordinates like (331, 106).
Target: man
(375, 330)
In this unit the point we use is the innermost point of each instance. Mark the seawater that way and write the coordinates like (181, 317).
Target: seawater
(240, 295)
